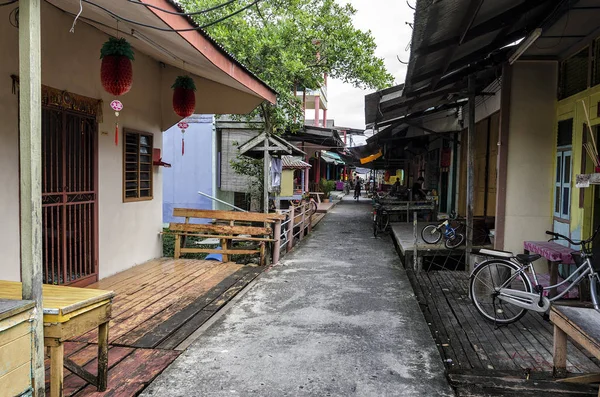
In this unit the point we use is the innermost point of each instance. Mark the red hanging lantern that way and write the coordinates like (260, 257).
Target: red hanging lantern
(184, 97)
(116, 73)
(184, 103)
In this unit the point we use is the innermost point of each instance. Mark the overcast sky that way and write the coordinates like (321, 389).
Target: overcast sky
(386, 19)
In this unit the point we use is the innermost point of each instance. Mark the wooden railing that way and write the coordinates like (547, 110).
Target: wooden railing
(296, 225)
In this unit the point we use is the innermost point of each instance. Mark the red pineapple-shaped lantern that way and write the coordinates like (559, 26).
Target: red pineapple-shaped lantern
(116, 72)
(184, 102)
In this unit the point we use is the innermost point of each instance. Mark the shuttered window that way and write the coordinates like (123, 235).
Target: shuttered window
(573, 74)
(137, 166)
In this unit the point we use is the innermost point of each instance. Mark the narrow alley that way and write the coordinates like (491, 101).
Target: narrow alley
(338, 317)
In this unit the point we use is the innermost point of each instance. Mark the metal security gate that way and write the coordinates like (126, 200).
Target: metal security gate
(69, 197)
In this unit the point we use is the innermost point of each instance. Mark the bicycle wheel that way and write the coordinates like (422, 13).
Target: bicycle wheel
(484, 287)
(431, 234)
(454, 241)
(595, 290)
(384, 221)
(312, 207)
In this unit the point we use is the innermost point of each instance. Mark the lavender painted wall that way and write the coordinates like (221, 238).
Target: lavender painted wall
(191, 172)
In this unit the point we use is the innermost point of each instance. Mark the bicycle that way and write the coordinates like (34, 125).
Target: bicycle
(502, 291)
(346, 188)
(432, 234)
(381, 219)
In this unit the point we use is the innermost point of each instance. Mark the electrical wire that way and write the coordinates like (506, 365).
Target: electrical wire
(187, 14)
(118, 17)
(535, 44)
(8, 3)
(77, 17)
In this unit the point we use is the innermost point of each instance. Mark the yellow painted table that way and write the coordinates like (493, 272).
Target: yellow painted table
(70, 312)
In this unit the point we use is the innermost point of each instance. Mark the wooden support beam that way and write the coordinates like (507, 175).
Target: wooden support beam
(266, 174)
(30, 160)
(470, 170)
(559, 353)
(290, 231)
(277, 242)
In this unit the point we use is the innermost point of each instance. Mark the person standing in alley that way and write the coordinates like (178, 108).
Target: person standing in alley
(418, 194)
(357, 188)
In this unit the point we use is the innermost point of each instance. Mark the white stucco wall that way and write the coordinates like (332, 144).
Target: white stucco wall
(128, 232)
(531, 145)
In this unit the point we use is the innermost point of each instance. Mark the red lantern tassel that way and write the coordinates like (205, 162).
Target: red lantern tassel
(116, 134)
(182, 147)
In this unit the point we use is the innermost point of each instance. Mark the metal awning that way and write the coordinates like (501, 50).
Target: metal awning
(457, 38)
(316, 137)
(567, 31)
(450, 35)
(332, 158)
(293, 163)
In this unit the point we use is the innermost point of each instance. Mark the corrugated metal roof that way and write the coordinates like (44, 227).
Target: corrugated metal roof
(290, 162)
(451, 34)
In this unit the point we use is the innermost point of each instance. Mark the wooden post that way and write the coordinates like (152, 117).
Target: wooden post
(266, 174)
(225, 246)
(290, 236)
(470, 169)
(177, 252)
(56, 370)
(560, 353)
(303, 221)
(277, 242)
(30, 159)
(416, 242)
(102, 376)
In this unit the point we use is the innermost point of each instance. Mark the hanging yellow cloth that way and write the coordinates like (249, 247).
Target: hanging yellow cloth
(372, 157)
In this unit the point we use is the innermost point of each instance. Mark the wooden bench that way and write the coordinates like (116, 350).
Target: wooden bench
(555, 254)
(583, 326)
(227, 226)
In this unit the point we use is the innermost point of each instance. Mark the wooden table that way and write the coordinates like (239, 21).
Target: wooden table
(70, 312)
(393, 206)
(583, 326)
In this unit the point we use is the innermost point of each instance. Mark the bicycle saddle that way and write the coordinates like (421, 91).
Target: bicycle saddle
(526, 258)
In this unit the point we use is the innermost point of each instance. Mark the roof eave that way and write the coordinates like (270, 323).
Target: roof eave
(210, 49)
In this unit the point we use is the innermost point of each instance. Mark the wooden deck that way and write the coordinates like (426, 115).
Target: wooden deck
(430, 256)
(476, 351)
(157, 306)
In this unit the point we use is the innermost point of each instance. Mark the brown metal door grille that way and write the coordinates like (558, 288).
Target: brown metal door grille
(69, 197)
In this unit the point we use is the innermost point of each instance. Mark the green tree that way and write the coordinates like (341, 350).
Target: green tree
(290, 44)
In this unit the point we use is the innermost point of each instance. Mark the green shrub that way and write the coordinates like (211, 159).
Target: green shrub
(326, 187)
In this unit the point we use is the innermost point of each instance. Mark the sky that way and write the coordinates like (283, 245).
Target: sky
(386, 19)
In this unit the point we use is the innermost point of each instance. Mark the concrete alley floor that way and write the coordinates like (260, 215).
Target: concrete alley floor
(337, 318)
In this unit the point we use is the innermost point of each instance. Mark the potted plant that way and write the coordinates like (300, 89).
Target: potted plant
(326, 188)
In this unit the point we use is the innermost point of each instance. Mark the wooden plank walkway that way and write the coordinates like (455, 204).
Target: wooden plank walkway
(157, 306)
(468, 342)
(478, 355)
